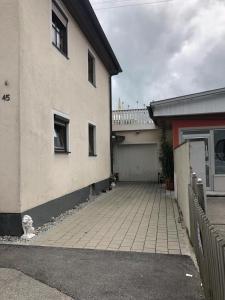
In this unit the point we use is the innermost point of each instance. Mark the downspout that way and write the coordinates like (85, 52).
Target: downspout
(110, 110)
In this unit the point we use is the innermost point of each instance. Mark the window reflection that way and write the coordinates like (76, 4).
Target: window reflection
(219, 142)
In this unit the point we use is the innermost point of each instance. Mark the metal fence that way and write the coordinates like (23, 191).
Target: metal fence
(208, 244)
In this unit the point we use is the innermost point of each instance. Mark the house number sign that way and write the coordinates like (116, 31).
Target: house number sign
(6, 97)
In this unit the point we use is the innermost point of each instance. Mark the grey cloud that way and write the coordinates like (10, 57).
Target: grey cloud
(166, 50)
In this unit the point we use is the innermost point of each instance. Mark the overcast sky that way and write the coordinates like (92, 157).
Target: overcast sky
(165, 50)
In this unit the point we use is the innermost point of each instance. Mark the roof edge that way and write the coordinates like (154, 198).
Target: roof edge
(188, 97)
(85, 17)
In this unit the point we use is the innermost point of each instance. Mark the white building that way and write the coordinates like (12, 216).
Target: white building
(199, 116)
(136, 146)
(55, 85)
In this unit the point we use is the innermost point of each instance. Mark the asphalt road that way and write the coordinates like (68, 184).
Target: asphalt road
(14, 285)
(105, 275)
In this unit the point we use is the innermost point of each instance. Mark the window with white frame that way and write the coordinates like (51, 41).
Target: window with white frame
(59, 29)
(92, 139)
(91, 68)
(60, 134)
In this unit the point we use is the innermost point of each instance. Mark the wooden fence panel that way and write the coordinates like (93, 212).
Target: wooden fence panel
(209, 247)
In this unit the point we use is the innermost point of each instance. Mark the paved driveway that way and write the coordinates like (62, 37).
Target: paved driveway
(133, 217)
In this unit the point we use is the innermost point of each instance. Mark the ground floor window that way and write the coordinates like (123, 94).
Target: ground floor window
(219, 144)
(92, 139)
(60, 134)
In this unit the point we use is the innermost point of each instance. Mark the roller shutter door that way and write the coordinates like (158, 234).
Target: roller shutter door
(137, 162)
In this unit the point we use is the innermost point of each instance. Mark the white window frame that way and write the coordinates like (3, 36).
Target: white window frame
(67, 119)
(94, 68)
(95, 139)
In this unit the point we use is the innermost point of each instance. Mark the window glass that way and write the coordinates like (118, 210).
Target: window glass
(92, 137)
(60, 134)
(195, 131)
(187, 134)
(219, 143)
(59, 137)
(59, 29)
(91, 68)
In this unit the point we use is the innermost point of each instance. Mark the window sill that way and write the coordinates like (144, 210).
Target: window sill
(61, 152)
(64, 54)
(92, 83)
(92, 155)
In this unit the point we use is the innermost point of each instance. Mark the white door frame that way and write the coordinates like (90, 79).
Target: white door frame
(209, 137)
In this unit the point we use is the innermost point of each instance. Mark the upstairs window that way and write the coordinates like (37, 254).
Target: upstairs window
(92, 139)
(91, 69)
(60, 134)
(59, 29)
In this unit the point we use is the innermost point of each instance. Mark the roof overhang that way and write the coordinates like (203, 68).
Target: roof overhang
(84, 15)
(204, 105)
(166, 121)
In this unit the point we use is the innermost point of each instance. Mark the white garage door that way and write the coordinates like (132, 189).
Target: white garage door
(137, 162)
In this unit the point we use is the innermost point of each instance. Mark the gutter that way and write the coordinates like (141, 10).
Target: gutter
(110, 119)
(151, 113)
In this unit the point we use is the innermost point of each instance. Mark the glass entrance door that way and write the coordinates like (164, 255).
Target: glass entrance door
(205, 136)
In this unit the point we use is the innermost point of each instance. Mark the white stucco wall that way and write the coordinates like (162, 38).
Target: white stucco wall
(182, 175)
(9, 111)
(141, 136)
(49, 82)
(197, 160)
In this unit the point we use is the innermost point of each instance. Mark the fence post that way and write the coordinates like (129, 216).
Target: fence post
(194, 182)
(201, 194)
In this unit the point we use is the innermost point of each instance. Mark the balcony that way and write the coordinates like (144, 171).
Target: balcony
(132, 119)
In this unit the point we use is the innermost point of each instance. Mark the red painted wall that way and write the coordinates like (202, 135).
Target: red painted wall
(185, 123)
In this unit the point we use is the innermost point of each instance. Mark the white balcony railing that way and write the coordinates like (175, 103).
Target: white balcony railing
(138, 118)
(131, 116)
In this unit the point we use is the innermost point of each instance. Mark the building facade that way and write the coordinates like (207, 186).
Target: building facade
(55, 77)
(195, 117)
(136, 146)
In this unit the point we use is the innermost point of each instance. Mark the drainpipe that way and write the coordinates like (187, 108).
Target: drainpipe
(110, 109)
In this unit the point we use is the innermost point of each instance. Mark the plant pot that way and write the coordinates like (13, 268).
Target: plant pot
(169, 184)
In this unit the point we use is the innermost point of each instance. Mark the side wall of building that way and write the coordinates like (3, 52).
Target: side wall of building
(52, 83)
(9, 117)
(141, 136)
(182, 180)
(9, 107)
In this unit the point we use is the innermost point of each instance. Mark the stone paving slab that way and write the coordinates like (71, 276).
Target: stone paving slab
(139, 217)
(14, 285)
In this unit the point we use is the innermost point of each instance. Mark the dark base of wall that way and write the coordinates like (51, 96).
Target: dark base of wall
(101, 186)
(11, 224)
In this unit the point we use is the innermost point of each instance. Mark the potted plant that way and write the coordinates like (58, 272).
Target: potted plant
(167, 162)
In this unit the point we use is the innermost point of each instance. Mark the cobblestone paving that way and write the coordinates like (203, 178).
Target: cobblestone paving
(138, 217)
